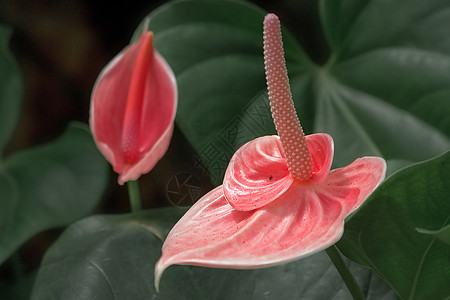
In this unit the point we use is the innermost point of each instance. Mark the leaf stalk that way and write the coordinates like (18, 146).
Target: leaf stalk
(345, 273)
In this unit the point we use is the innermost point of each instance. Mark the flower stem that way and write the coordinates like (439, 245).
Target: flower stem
(134, 195)
(345, 273)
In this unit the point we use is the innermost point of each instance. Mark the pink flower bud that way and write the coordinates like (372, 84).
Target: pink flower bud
(133, 107)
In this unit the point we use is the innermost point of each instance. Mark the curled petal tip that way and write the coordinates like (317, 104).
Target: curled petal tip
(321, 147)
(257, 174)
(158, 273)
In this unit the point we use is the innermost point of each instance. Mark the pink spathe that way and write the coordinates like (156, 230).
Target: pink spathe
(262, 216)
(279, 200)
(133, 107)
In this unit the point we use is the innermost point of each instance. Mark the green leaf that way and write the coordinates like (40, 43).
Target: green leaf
(442, 234)
(382, 234)
(49, 186)
(11, 87)
(384, 90)
(390, 81)
(215, 49)
(114, 258)
(19, 290)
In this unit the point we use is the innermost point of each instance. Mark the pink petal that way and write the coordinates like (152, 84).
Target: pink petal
(351, 185)
(213, 234)
(149, 160)
(321, 148)
(306, 218)
(133, 108)
(257, 174)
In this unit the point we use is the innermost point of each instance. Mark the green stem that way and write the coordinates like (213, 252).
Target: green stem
(134, 195)
(345, 273)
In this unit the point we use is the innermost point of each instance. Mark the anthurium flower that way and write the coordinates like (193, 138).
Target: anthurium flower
(279, 200)
(133, 107)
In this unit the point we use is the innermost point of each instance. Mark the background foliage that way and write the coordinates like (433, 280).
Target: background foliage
(376, 81)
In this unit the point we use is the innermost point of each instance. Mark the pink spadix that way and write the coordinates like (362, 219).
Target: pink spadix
(284, 116)
(279, 200)
(133, 107)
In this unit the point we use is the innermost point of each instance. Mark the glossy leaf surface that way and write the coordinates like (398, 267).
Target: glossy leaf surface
(383, 235)
(115, 257)
(49, 186)
(384, 90)
(215, 50)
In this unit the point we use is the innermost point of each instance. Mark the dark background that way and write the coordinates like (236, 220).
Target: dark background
(61, 46)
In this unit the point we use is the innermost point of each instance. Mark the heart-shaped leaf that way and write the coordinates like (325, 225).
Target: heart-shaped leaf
(49, 186)
(384, 90)
(113, 257)
(383, 235)
(10, 89)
